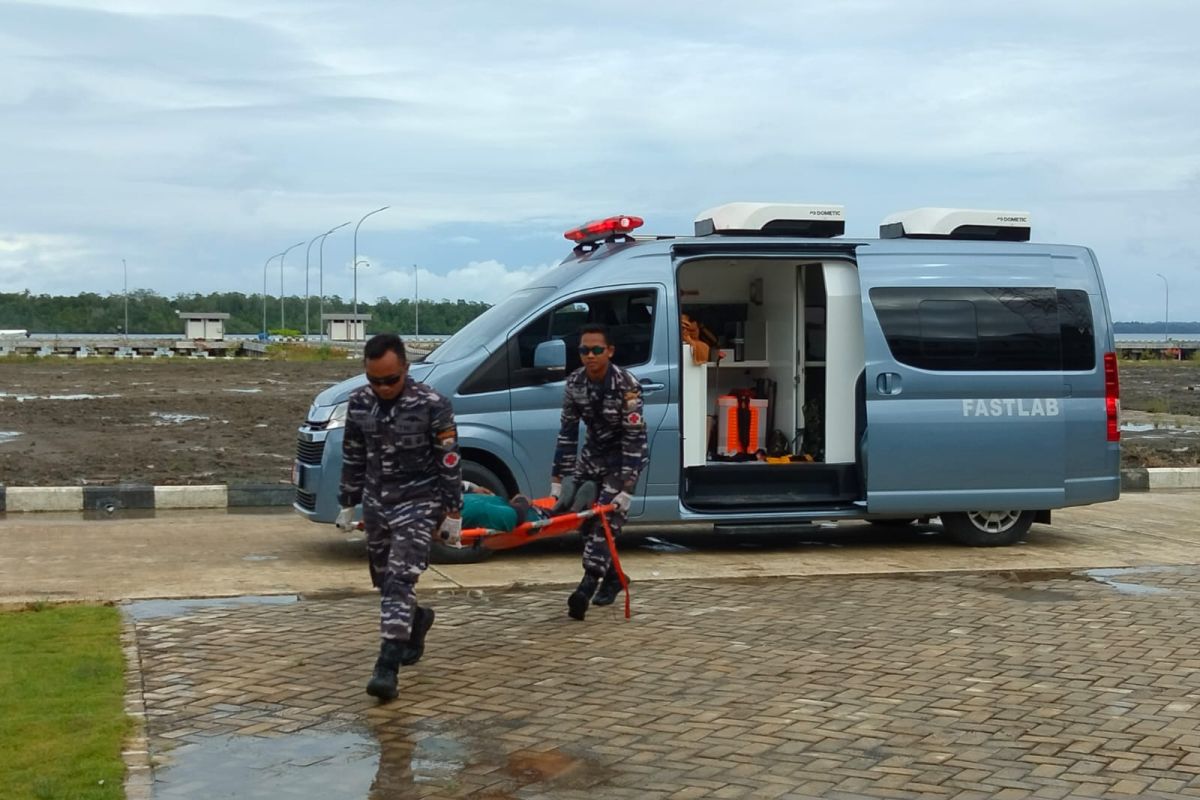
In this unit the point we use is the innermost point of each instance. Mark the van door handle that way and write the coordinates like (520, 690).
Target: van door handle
(648, 386)
(888, 383)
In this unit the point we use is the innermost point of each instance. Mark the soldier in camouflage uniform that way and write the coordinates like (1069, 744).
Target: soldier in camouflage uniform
(400, 460)
(609, 402)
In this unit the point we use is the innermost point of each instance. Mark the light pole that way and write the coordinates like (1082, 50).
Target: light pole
(321, 273)
(125, 272)
(360, 222)
(416, 303)
(1166, 307)
(266, 264)
(282, 256)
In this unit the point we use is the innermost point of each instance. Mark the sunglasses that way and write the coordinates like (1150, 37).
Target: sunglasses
(390, 380)
(595, 350)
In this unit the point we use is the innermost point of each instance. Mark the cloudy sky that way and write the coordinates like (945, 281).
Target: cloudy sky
(196, 138)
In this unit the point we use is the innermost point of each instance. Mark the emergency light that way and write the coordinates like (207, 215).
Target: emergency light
(773, 219)
(599, 229)
(957, 223)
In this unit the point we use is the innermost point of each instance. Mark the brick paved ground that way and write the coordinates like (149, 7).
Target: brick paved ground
(956, 687)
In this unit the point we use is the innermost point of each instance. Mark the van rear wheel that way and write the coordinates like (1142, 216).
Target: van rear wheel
(442, 554)
(987, 528)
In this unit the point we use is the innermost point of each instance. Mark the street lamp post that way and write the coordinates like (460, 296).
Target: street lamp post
(1166, 307)
(125, 272)
(321, 273)
(282, 256)
(266, 264)
(416, 302)
(356, 227)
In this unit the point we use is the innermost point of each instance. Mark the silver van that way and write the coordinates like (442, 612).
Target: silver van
(949, 368)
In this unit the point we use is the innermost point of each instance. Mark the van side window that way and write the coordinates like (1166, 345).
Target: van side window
(629, 316)
(1078, 330)
(957, 329)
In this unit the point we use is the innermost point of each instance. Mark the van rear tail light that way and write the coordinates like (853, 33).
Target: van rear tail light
(1112, 397)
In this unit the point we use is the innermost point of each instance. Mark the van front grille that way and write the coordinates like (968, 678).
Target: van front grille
(306, 501)
(310, 452)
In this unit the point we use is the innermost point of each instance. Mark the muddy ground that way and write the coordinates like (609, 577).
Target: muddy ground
(200, 421)
(183, 421)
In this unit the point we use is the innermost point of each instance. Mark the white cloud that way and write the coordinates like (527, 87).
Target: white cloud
(488, 281)
(200, 136)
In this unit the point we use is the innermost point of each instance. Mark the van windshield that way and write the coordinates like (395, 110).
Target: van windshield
(479, 332)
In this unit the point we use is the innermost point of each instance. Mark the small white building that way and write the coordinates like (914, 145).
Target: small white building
(209, 326)
(345, 327)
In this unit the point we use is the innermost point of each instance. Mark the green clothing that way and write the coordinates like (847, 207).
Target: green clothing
(490, 511)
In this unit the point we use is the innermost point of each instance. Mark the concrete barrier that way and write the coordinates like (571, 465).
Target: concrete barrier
(191, 496)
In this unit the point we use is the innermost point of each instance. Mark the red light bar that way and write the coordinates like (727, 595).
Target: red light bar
(603, 228)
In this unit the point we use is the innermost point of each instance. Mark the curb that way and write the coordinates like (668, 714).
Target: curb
(273, 495)
(1148, 479)
(144, 496)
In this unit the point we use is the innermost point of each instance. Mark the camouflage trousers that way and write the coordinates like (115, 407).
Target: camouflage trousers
(596, 556)
(398, 540)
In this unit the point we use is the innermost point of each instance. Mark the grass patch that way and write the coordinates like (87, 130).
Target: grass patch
(284, 351)
(62, 716)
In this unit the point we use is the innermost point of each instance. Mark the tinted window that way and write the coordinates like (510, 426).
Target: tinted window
(987, 329)
(1078, 332)
(628, 315)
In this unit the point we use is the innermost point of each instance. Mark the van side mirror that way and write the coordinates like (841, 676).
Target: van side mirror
(551, 355)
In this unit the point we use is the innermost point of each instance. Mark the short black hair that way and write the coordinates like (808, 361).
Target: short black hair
(381, 344)
(596, 327)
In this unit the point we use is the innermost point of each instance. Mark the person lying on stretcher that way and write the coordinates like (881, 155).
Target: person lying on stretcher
(484, 509)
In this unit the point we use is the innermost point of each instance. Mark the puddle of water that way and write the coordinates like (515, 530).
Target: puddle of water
(255, 557)
(21, 398)
(8, 436)
(1137, 427)
(657, 545)
(308, 765)
(167, 418)
(437, 760)
(165, 609)
(245, 391)
(1107, 576)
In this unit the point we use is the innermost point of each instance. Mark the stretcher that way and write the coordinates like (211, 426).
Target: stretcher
(548, 528)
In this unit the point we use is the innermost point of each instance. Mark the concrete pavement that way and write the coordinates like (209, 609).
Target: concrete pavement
(212, 553)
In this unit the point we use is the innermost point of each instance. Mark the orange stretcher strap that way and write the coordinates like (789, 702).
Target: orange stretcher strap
(562, 524)
(612, 549)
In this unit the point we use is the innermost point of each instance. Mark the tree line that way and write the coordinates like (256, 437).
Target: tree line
(150, 312)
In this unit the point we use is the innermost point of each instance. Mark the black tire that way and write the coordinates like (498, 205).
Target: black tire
(987, 528)
(442, 554)
(893, 522)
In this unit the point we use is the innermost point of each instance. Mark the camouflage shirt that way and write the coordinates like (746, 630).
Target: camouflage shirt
(615, 449)
(401, 452)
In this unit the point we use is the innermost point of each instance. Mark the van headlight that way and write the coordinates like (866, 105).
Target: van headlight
(337, 418)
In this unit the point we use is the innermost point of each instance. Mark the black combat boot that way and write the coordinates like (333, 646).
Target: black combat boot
(577, 603)
(414, 648)
(383, 680)
(610, 587)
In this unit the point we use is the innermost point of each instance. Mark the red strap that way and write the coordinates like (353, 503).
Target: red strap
(612, 549)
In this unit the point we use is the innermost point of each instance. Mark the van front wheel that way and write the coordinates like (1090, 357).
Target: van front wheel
(443, 554)
(987, 528)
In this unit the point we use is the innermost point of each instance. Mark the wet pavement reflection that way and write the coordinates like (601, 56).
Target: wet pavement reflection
(1061, 683)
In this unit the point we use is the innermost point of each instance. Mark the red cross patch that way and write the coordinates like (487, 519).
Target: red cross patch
(450, 460)
(633, 418)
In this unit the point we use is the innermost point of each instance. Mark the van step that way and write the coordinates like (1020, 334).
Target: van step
(775, 487)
